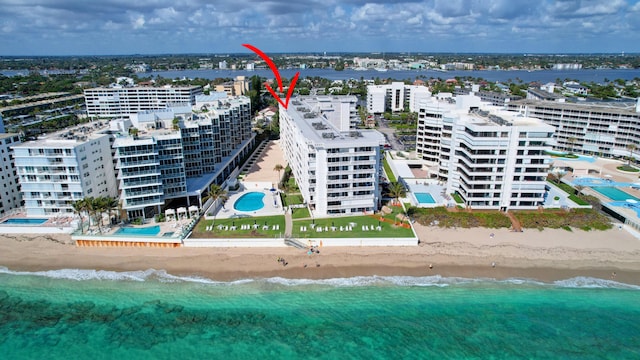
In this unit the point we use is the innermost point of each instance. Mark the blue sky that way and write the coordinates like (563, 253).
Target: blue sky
(103, 27)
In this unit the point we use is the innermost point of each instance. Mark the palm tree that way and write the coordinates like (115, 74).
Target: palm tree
(111, 204)
(100, 206)
(572, 141)
(396, 191)
(80, 206)
(631, 147)
(579, 189)
(278, 168)
(215, 193)
(90, 207)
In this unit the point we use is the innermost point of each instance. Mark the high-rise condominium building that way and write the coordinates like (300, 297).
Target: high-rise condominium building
(10, 197)
(395, 97)
(602, 129)
(495, 159)
(178, 153)
(58, 169)
(114, 102)
(336, 166)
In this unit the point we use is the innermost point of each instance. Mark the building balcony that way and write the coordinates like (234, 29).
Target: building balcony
(128, 164)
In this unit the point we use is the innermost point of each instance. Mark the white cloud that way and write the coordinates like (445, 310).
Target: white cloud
(138, 22)
(303, 24)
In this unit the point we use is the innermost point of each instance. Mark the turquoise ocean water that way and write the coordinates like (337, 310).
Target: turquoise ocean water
(81, 314)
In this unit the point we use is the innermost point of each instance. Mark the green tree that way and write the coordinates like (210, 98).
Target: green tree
(79, 207)
(572, 142)
(278, 168)
(396, 191)
(631, 147)
(215, 193)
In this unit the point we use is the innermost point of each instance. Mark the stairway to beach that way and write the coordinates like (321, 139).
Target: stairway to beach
(515, 224)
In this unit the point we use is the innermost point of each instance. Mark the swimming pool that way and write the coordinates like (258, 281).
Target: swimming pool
(145, 231)
(614, 193)
(249, 202)
(574, 157)
(24, 221)
(424, 198)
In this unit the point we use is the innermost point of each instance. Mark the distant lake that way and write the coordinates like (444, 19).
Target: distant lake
(543, 76)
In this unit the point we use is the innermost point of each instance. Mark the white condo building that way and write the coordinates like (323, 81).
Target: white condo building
(337, 167)
(58, 169)
(495, 159)
(115, 102)
(601, 129)
(10, 197)
(395, 97)
(178, 152)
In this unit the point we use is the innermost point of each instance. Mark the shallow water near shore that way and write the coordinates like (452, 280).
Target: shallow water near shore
(151, 314)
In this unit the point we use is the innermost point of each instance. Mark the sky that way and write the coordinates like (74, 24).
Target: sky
(121, 27)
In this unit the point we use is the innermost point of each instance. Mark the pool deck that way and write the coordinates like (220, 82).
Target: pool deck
(432, 188)
(603, 173)
(58, 225)
(270, 208)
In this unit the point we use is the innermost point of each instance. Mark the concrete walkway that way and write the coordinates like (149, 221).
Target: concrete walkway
(288, 223)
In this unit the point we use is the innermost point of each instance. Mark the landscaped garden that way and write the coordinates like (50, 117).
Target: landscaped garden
(628, 168)
(392, 223)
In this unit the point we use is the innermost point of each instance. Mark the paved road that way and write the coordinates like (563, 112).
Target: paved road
(389, 133)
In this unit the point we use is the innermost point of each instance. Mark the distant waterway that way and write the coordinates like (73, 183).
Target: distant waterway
(543, 76)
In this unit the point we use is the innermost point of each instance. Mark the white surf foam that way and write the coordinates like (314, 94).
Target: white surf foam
(594, 283)
(356, 281)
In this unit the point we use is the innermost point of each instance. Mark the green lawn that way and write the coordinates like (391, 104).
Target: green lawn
(572, 193)
(200, 230)
(387, 229)
(387, 169)
(294, 199)
(300, 213)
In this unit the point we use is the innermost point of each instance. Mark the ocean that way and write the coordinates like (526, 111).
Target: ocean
(82, 314)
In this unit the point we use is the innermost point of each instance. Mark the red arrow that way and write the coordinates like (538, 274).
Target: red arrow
(273, 67)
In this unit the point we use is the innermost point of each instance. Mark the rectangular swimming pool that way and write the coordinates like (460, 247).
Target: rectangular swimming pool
(614, 193)
(424, 198)
(145, 231)
(24, 221)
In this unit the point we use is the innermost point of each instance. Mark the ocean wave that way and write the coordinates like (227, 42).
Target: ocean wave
(107, 275)
(356, 281)
(594, 283)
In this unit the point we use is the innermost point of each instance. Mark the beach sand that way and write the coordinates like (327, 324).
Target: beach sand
(542, 255)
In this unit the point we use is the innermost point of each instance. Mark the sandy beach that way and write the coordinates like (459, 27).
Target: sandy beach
(543, 255)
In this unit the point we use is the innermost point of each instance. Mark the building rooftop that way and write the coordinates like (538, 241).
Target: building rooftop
(70, 136)
(315, 126)
(616, 107)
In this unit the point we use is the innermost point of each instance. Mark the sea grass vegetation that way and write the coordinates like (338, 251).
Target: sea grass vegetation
(585, 219)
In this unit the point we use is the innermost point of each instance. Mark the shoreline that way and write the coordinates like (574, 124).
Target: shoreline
(544, 256)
